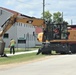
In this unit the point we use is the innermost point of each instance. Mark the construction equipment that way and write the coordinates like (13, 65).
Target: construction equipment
(17, 18)
(22, 19)
(58, 37)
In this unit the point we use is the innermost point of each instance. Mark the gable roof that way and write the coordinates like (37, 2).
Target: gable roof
(14, 12)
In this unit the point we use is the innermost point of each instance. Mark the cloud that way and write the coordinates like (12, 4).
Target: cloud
(29, 8)
(8, 2)
(35, 7)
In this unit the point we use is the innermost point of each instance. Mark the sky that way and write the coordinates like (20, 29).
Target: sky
(34, 8)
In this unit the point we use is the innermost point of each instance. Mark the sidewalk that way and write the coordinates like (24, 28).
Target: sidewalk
(17, 53)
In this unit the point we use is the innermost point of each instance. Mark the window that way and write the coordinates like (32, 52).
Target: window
(21, 41)
(21, 24)
(0, 12)
(6, 35)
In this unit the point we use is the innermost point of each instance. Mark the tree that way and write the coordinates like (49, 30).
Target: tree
(57, 17)
(47, 16)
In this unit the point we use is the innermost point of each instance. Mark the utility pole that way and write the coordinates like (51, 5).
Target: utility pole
(43, 39)
(62, 17)
(43, 8)
(71, 22)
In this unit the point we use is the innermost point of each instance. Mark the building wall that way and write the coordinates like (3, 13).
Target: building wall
(19, 31)
(25, 31)
(11, 34)
(4, 15)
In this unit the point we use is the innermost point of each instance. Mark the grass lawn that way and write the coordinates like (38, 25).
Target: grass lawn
(19, 58)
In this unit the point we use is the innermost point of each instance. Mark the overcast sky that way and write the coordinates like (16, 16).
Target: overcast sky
(35, 7)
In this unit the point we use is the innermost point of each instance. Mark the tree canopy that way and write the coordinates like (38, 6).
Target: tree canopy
(56, 17)
(47, 15)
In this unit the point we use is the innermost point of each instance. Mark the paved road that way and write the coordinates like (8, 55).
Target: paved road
(58, 65)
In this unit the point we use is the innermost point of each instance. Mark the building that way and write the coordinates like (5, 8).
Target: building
(22, 33)
(37, 31)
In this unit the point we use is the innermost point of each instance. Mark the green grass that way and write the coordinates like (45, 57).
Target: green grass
(19, 58)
